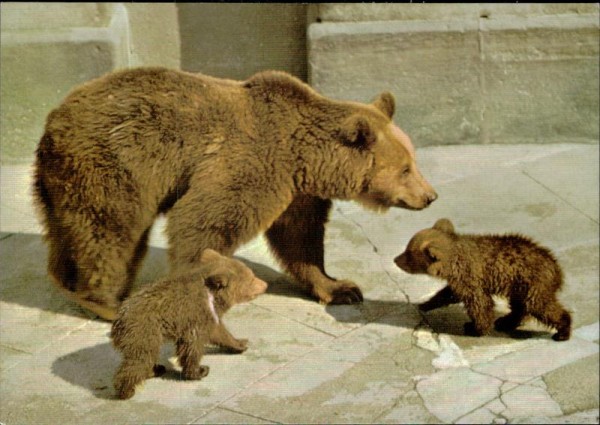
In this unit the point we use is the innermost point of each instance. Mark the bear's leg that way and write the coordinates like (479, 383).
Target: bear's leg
(134, 262)
(190, 350)
(513, 319)
(554, 315)
(441, 299)
(220, 335)
(296, 239)
(98, 272)
(192, 228)
(480, 308)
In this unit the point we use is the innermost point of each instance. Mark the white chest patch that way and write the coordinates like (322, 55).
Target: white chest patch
(211, 307)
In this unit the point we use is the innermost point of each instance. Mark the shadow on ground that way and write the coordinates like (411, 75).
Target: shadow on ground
(93, 368)
(30, 285)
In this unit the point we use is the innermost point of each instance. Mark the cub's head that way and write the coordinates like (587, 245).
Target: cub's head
(394, 180)
(229, 280)
(428, 250)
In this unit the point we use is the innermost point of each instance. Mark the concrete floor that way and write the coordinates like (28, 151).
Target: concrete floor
(379, 362)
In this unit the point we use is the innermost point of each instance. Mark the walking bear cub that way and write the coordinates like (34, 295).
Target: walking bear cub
(186, 308)
(224, 160)
(479, 266)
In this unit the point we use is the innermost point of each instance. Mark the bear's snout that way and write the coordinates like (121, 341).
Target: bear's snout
(430, 197)
(401, 262)
(259, 286)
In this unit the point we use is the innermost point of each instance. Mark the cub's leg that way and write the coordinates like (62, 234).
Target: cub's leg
(441, 299)
(139, 364)
(296, 238)
(480, 308)
(554, 315)
(222, 337)
(513, 319)
(190, 349)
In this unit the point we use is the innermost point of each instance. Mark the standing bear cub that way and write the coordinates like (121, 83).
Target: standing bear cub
(225, 160)
(479, 266)
(185, 308)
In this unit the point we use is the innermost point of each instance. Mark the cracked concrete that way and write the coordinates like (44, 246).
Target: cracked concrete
(383, 361)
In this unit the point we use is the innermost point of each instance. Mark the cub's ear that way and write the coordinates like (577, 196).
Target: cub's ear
(216, 281)
(358, 132)
(385, 103)
(444, 225)
(209, 255)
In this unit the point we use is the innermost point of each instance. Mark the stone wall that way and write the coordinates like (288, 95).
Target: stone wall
(461, 73)
(466, 73)
(48, 48)
(237, 40)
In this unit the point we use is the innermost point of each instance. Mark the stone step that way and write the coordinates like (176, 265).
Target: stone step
(512, 79)
(49, 49)
(39, 66)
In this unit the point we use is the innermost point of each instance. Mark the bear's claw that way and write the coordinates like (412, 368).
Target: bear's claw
(346, 295)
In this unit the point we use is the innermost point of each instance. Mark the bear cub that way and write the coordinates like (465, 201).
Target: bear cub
(185, 308)
(479, 266)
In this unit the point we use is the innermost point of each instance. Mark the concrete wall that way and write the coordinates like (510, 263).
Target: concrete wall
(48, 48)
(237, 40)
(466, 73)
(461, 73)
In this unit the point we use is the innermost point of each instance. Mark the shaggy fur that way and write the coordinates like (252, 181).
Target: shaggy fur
(477, 267)
(225, 160)
(186, 308)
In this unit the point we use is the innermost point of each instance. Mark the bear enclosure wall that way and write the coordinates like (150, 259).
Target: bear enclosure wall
(461, 73)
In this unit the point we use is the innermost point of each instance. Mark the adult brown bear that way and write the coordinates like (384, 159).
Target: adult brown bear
(225, 160)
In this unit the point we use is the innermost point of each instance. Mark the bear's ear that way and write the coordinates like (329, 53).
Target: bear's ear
(444, 225)
(216, 281)
(385, 103)
(358, 132)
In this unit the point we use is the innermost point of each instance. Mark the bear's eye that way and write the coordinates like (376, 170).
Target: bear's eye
(406, 171)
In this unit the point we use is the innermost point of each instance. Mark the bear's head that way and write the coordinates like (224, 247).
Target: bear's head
(394, 180)
(430, 250)
(230, 281)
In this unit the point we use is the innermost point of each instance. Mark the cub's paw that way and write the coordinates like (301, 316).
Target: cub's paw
(561, 335)
(158, 370)
(196, 373)
(471, 329)
(427, 306)
(125, 391)
(239, 346)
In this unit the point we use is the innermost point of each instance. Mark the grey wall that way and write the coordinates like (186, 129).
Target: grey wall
(461, 73)
(237, 40)
(49, 48)
(466, 73)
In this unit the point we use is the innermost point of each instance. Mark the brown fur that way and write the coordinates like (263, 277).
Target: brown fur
(479, 266)
(177, 308)
(226, 160)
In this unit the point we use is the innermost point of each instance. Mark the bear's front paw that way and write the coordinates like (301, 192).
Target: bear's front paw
(196, 373)
(346, 292)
